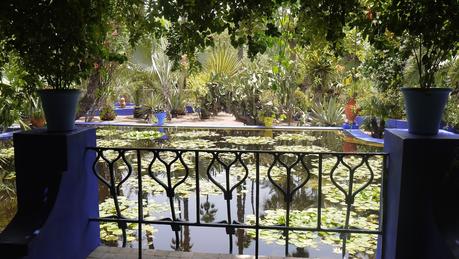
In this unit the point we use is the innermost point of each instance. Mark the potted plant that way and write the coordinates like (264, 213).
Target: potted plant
(205, 106)
(177, 104)
(60, 42)
(160, 114)
(430, 30)
(351, 109)
(154, 108)
(268, 114)
(122, 102)
(107, 113)
(37, 119)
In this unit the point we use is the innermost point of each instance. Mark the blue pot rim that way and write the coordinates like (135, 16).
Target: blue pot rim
(58, 90)
(417, 89)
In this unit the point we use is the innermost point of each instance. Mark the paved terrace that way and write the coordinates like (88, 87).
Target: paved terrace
(104, 252)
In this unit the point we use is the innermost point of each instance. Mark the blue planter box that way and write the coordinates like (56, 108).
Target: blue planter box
(127, 111)
(390, 123)
(350, 125)
(398, 124)
(451, 129)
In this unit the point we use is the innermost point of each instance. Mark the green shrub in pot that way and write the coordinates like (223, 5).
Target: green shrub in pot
(430, 30)
(60, 42)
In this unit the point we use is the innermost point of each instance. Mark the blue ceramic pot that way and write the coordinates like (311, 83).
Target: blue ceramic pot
(161, 117)
(424, 109)
(59, 106)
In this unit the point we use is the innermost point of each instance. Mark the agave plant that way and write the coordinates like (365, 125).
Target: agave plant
(327, 112)
(153, 104)
(178, 100)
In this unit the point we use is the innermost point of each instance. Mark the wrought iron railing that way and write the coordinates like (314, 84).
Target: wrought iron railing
(337, 181)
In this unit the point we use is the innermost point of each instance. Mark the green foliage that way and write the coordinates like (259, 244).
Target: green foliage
(7, 175)
(143, 135)
(195, 144)
(252, 88)
(285, 72)
(162, 68)
(194, 134)
(17, 92)
(211, 87)
(384, 68)
(157, 75)
(10, 107)
(58, 40)
(107, 113)
(191, 25)
(429, 29)
(63, 41)
(319, 65)
(178, 101)
(383, 105)
(303, 101)
(386, 74)
(333, 218)
(110, 232)
(253, 140)
(452, 111)
(221, 62)
(327, 112)
(296, 137)
(448, 75)
(154, 103)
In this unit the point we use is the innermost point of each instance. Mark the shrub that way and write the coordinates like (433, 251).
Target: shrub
(107, 113)
(327, 113)
(302, 100)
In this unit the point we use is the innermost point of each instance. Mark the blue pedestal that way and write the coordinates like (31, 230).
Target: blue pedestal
(57, 194)
(422, 201)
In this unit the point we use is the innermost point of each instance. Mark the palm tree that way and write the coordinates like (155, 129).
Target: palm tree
(208, 211)
(151, 58)
(211, 86)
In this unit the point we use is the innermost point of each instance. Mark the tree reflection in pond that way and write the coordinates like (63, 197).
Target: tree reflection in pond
(207, 211)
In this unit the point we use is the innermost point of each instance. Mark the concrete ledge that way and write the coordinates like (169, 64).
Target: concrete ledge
(8, 135)
(356, 133)
(132, 253)
(193, 126)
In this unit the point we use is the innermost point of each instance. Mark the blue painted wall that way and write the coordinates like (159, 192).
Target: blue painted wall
(421, 217)
(57, 194)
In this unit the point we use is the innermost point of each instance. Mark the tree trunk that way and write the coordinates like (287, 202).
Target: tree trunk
(94, 96)
(89, 100)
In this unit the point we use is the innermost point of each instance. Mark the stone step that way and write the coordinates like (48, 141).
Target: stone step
(105, 252)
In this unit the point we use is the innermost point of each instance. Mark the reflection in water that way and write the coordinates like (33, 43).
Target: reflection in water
(306, 197)
(271, 198)
(268, 133)
(300, 252)
(243, 241)
(207, 211)
(184, 237)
